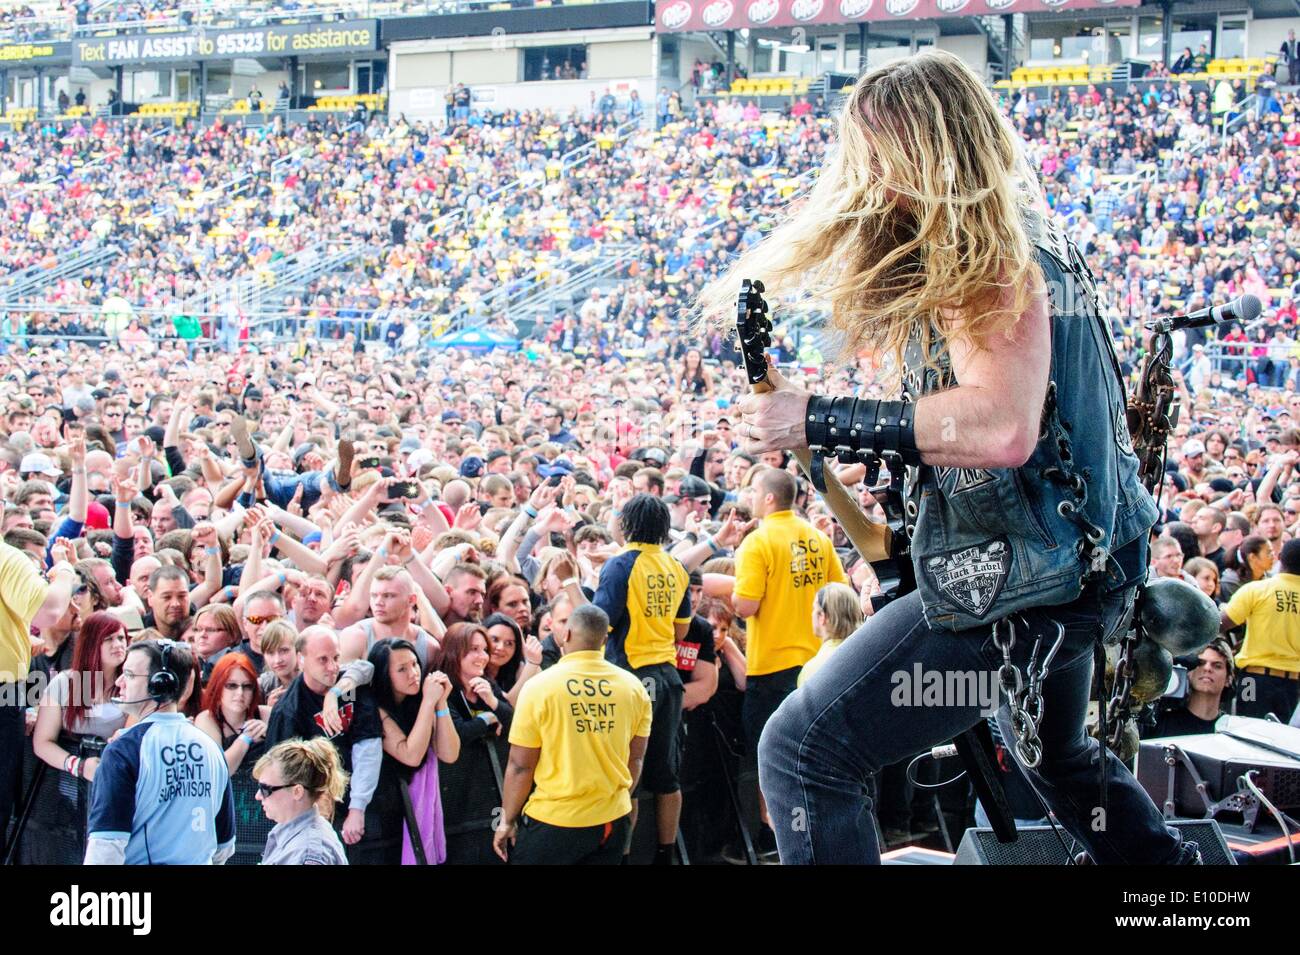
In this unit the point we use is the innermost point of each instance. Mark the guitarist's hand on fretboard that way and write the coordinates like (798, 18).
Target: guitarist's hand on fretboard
(774, 420)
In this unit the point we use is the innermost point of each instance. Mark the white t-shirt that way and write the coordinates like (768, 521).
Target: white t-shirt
(102, 719)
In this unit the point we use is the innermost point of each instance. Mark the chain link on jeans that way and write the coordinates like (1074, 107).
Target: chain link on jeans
(1025, 699)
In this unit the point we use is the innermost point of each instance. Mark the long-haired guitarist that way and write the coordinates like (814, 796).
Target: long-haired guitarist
(926, 235)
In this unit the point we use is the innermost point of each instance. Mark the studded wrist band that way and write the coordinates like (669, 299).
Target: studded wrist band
(861, 428)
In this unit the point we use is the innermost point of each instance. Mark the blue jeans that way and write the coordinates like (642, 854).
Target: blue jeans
(280, 486)
(829, 736)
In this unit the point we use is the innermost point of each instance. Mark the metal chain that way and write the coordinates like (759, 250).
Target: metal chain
(1119, 702)
(1025, 699)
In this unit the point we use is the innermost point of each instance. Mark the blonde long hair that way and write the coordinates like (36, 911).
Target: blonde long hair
(916, 222)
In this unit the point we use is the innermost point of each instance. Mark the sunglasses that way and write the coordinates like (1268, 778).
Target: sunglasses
(258, 621)
(240, 687)
(267, 792)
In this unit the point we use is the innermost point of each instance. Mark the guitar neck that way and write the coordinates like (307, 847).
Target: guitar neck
(869, 539)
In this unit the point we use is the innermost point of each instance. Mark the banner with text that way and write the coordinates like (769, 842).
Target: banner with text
(23, 54)
(301, 39)
(676, 16)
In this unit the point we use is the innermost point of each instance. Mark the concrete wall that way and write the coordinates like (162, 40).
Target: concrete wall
(476, 67)
(973, 49)
(420, 69)
(1265, 36)
(615, 60)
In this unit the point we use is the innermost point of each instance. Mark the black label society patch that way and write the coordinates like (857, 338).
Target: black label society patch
(967, 478)
(973, 577)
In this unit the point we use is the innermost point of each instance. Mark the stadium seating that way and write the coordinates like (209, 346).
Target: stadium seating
(171, 110)
(371, 101)
(769, 86)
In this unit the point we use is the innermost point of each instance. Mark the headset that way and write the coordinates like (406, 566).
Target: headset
(164, 684)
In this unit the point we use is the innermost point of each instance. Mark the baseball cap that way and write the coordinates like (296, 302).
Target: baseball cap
(451, 414)
(695, 488)
(409, 445)
(471, 467)
(656, 457)
(97, 516)
(419, 459)
(496, 454)
(302, 451)
(37, 463)
(1193, 447)
(561, 466)
(253, 394)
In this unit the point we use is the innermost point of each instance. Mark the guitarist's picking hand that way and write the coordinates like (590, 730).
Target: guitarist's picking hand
(774, 421)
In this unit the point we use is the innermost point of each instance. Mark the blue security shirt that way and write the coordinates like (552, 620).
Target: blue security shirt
(163, 785)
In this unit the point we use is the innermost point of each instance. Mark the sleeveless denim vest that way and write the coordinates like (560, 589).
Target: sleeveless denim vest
(986, 543)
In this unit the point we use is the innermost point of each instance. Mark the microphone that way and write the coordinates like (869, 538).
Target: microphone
(118, 701)
(1244, 308)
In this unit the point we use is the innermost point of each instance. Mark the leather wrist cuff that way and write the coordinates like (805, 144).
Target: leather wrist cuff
(864, 429)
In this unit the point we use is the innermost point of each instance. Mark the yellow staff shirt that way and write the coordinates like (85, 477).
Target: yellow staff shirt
(22, 591)
(583, 714)
(1270, 609)
(782, 565)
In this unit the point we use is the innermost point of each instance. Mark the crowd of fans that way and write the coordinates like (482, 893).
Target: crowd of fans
(354, 509)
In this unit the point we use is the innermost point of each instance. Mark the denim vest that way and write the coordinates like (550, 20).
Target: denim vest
(986, 543)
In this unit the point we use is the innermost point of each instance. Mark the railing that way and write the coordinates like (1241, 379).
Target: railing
(15, 286)
(250, 291)
(570, 160)
(531, 295)
(1244, 110)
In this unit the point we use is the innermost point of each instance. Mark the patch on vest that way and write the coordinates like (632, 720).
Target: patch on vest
(1122, 436)
(967, 478)
(972, 577)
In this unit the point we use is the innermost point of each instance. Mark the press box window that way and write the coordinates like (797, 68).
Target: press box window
(555, 63)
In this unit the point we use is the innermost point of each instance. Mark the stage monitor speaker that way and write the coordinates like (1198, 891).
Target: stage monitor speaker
(1038, 845)
(1220, 760)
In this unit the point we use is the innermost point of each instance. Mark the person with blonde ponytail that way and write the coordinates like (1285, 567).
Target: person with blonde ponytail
(926, 242)
(295, 779)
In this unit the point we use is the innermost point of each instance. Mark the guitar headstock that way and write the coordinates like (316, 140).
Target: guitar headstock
(753, 330)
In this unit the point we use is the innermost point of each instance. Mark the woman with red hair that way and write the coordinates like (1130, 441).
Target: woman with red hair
(75, 720)
(233, 716)
(231, 712)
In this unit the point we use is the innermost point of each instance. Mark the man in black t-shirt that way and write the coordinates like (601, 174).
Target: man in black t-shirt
(357, 734)
(1207, 682)
(694, 651)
